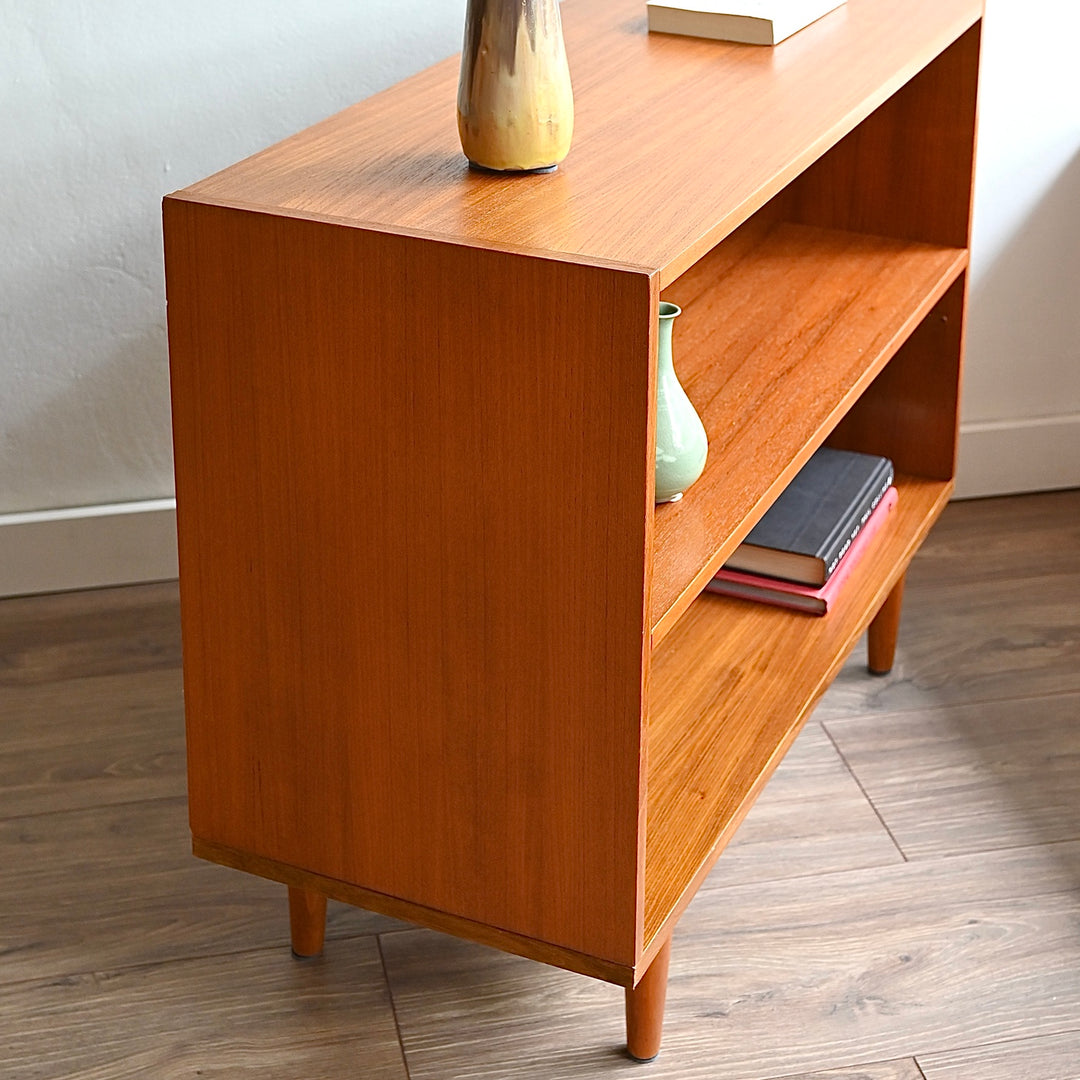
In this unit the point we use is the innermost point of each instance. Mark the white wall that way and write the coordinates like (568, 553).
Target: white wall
(1021, 406)
(107, 106)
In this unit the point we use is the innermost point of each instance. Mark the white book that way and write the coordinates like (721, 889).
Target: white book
(756, 22)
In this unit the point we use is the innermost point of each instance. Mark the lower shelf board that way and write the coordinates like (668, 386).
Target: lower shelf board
(732, 685)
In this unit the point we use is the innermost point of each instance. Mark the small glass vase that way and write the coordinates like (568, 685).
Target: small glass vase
(681, 443)
(515, 103)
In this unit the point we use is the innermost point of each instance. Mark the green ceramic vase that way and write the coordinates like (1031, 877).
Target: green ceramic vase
(681, 443)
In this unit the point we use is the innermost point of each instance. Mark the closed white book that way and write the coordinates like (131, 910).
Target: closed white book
(755, 22)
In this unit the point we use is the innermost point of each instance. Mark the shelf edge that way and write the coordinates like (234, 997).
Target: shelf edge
(418, 234)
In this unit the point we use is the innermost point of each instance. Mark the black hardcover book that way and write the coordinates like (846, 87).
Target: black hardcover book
(806, 532)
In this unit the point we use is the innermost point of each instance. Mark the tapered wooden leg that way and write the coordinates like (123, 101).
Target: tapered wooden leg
(645, 1008)
(881, 639)
(307, 921)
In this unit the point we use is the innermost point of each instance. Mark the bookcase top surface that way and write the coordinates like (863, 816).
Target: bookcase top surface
(677, 140)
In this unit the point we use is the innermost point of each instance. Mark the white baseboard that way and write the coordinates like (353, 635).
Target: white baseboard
(1004, 457)
(87, 547)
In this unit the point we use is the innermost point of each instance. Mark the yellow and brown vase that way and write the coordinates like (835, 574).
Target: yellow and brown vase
(515, 102)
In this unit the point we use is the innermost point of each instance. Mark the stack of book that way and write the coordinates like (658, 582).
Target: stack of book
(801, 552)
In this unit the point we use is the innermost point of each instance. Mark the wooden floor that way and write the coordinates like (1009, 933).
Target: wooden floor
(902, 904)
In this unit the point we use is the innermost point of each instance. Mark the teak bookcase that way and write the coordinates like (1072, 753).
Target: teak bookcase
(442, 656)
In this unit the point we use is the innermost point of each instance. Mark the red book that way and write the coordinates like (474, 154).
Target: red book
(806, 598)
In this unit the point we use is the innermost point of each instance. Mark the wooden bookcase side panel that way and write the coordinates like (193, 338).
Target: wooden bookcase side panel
(911, 411)
(733, 685)
(413, 565)
(906, 170)
(784, 326)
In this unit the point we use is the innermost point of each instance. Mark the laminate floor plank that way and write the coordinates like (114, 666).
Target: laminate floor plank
(964, 643)
(1052, 1057)
(96, 632)
(882, 963)
(974, 777)
(465, 1010)
(117, 886)
(254, 1014)
(812, 818)
(907, 1069)
(986, 540)
(991, 610)
(89, 741)
(546, 1023)
(776, 978)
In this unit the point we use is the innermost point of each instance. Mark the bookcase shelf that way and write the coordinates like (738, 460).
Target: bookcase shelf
(443, 658)
(783, 327)
(732, 686)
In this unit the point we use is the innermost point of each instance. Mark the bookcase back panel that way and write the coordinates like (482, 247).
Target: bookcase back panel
(412, 484)
(906, 170)
(910, 412)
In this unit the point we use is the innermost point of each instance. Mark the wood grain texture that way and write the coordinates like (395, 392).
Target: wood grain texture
(992, 611)
(89, 741)
(731, 688)
(645, 1008)
(307, 922)
(201, 1018)
(910, 412)
(985, 541)
(907, 1069)
(468, 1012)
(465, 1010)
(972, 778)
(783, 329)
(446, 922)
(780, 839)
(906, 170)
(90, 699)
(776, 979)
(870, 964)
(1051, 1057)
(882, 632)
(45, 639)
(116, 886)
(412, 592)
(1001, 638)
(614, 198)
